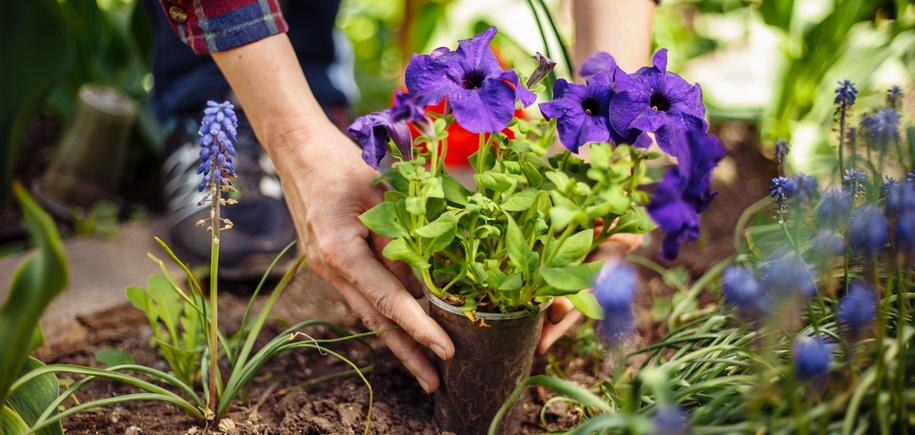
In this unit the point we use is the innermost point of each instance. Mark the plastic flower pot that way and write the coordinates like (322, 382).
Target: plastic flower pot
(87, 165)
(488, 363)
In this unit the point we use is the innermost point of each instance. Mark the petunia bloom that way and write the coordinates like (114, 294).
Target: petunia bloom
(684, 192)
(581, 111)
(481, 93)
(374, 130)
(218, 129)
(653, 100)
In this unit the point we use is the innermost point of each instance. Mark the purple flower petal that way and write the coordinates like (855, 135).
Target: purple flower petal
(374, 130)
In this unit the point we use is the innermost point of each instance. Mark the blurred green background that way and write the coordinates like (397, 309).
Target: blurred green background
(772, 64)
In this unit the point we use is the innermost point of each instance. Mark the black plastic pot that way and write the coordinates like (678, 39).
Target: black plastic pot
(488, 363)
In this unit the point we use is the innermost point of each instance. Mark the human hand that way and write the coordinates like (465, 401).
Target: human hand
(561, 315)
(327, 187)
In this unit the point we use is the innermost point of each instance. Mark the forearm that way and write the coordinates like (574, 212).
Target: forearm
(619, 27)
(268, 80)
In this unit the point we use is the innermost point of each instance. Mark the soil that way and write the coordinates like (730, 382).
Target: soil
(340, 406)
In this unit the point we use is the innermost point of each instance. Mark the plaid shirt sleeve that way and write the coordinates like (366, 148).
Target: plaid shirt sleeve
(211, 26)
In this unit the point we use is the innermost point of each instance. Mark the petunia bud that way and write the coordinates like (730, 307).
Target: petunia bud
(544, 67)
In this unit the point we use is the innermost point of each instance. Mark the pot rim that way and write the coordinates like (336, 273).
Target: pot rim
(486, 316)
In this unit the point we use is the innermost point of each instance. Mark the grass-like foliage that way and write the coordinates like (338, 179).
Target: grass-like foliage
(813, 332)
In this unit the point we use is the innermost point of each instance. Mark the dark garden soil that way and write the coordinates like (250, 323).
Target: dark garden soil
(279, 403)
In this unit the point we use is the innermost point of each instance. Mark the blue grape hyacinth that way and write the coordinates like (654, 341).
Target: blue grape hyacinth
(812, 357)
(615, 292)
(219, 128)
(857, 309)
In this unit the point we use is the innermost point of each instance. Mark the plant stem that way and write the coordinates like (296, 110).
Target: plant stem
(842, 142)
(215, 224)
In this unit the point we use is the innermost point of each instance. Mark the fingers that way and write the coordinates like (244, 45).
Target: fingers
(553, 331)
(617, 246)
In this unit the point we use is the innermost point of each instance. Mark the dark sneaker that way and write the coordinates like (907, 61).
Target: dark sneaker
(262, 225)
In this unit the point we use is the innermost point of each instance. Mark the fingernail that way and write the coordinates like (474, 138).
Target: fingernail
(424, 385)
(439, 350)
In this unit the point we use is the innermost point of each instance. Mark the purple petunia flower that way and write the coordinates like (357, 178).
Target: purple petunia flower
(811, 358)
(219, 130)
(545, 66)
(614, 290)
(481, 94)
(857, 309)
(685, 189)
(867, 229)
(581, 111)
(653, 100)
(409, 108)
(374, 130)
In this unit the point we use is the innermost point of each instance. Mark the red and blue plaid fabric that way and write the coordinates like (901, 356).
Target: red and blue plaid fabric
(211, 26)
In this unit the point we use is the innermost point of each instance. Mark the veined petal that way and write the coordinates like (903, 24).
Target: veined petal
(485, 110)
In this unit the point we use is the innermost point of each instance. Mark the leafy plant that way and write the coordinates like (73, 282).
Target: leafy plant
(37, 280)
(814, 330)
(524, 234)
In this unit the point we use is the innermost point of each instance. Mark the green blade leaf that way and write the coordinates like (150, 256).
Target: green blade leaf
(114, 357)
(445, 223)
(494, 180)
(31, 400)
(520, 201)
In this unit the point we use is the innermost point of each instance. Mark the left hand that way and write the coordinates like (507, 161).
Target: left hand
(561, 315)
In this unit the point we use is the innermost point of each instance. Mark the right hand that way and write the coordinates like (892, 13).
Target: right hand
(327, 187)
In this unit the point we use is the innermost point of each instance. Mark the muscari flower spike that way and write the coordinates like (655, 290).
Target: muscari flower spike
(781, 190)
(805, 188)
(741, 290)
(685, 190)
(374, 131)
(782, 148)
(787, 275)
(481, 93)
(654, 100)
(614, 290)
(894, 97)
(867, 229)
(900, 197)
(882, 127)
(811, 356)
(670, 420)
(834, 207)
(854, 181)
(828, 243)
(845, 95)
(857, 309)
(219, 130)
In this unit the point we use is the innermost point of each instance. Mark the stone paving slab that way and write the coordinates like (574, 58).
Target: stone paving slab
(100, 271)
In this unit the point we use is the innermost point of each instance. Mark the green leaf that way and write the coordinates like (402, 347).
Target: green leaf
(519, 252)
(479, 272)
(560, 179)
(35, 282)
(533, 176)
(562, 216)
(399, 249)
(138, 298)
(384, 220)
(31, 399)
(574, 249)
(635, 221)
(494, 181)
(165, 302)
(587, 304)
(11, 423)
(454, 191)
(43, 55)
(114, 357)
(520, 201)
(416, 206)
(445, 223)
(570, 278)
(513, 282)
